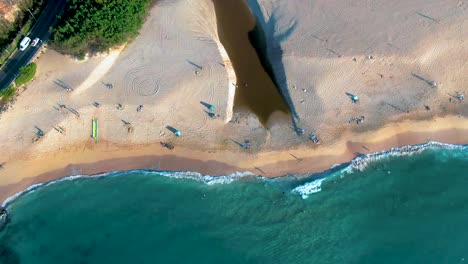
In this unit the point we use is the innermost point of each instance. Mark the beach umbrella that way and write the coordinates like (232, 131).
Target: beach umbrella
(177, 132)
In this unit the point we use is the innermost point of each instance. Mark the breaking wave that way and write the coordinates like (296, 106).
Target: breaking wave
(365, 160)
(305, 185)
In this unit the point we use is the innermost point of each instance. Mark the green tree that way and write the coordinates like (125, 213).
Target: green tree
(27, 73)
(90, 26)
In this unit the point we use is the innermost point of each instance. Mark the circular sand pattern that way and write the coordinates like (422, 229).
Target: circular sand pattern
(144, 86)
(143, 83)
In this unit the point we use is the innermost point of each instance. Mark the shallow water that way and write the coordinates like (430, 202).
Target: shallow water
(410, 209)
(256, 91)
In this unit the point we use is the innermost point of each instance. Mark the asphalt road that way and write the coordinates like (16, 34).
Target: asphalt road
(41, 29)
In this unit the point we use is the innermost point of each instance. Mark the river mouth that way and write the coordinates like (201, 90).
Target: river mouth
(255, 90)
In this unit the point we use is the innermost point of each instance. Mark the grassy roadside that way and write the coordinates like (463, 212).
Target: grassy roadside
(27, 73)
(7, 95)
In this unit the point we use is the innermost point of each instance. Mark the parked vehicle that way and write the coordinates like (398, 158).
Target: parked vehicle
(24, 43)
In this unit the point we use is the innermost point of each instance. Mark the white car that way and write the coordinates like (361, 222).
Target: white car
(24, 43)
(35, 42)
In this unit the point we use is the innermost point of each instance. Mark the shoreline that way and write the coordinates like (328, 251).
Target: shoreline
(266, 164)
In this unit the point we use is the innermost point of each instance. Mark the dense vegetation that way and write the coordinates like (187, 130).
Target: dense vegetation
(27, 73)
(89, 26)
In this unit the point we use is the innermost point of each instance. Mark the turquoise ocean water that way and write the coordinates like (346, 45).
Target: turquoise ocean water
(408, 209)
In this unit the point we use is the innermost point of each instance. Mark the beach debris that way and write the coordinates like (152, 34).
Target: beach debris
(370, 57)
(96, 104)
(246, 144)
(197, 73)
(304, 90)
(354, 59)
(167, 145)
(433, 84)
(294, 87)
(427, 107)
(139, 108)
(120, 107)
(109, 86)
(302, 101)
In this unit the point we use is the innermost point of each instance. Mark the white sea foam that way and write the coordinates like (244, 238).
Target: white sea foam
(361, 162)
(207, 179)
(309, 188)
(305, 190)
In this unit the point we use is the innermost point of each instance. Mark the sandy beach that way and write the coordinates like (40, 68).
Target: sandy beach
(309, 55)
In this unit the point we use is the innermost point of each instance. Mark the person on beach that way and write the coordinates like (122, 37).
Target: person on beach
(300, 131)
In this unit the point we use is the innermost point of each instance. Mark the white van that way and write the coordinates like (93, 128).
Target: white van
(24, 43)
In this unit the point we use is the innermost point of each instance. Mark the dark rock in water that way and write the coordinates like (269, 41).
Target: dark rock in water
(8, 256)
(3, 218)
